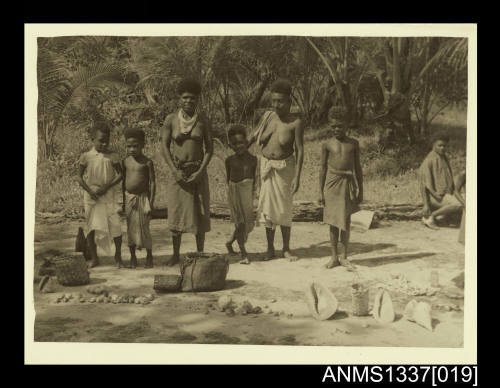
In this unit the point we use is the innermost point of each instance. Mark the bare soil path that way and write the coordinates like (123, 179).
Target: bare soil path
(392, 249)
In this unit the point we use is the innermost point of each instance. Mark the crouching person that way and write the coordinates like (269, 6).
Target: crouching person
(437, 188)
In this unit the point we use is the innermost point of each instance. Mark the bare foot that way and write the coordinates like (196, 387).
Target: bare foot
(149, 262)
(347, 264)
(173, 261)
(288, 255)
(429, 222)
(270, 255)
(229, 247)
(334, 262)
(245, 261)
(133, 263)
(119, 262)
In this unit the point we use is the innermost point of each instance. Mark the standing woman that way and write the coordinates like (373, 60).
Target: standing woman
(187, 148)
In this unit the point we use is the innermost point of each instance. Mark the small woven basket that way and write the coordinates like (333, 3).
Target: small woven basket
(71, 270)
(167, 283)
(360, 298)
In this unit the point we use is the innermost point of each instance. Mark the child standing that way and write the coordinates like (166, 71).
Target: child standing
(139, 186)
(240, 171)
(99, 172)
(340, 184)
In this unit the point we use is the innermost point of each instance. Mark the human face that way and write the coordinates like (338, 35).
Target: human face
(101, 141)
(134, 147)
(338, 128)
(440, 147)
(189, 102)
(238, 143)
(280, 103)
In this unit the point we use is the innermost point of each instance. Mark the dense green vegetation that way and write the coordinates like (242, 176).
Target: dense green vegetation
(395, 89)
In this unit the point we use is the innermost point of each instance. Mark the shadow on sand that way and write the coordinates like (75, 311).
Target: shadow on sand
(391, 258)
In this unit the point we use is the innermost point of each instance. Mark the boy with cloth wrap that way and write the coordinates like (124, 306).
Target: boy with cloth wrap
(340, 184)
(139, 191)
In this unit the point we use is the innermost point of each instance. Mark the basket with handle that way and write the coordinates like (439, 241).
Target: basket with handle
(71, 270)
(359, 297)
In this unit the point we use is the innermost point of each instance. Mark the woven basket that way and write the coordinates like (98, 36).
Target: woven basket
(167, 283)
(204, 272)
(360, 297)
(71, 270)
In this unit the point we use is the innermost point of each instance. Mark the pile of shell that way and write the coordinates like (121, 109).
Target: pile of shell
(105, 297)
(227, 305)
(399, 283)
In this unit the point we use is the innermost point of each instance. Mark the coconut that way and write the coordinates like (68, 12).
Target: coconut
(383, 310)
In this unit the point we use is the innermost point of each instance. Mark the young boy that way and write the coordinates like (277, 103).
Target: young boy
(240, 171)
(139, 187)
(339, 176)
(99, 172)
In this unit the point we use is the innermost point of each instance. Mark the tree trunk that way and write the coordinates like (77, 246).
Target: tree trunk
(254, 103)
(396, 67)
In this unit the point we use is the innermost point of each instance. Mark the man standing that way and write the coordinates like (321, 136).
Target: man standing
(436, 184)
(280, 137)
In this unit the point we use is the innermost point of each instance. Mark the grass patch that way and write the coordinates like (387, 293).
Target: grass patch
(54, 329)
(216, 337)
(129, 333)
(259, 339)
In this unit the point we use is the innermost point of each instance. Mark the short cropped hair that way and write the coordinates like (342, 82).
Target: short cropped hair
(134, 133)
(189, 85)
(99, 126)
(282, 86)
(440, 135)
(236, 129)
(337, 113)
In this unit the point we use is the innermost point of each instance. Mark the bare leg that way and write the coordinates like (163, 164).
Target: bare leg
(270, 243)
(446, 210)
(285, 233)
(229, 244)
(344, 238)
(176, 242)
(92, 249)
(149, 258)
(118, 251)
(240, 237)
(133, 258)
(200, 241)
(334, 238)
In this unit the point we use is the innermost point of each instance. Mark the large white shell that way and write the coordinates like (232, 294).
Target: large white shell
(383, 310)
(321, 302)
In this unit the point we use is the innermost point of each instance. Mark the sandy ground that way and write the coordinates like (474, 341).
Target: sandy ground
(393, 247)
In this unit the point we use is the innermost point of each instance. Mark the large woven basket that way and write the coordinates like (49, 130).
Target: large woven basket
(360, 298)
(167, 283)
(71, 270)
(204, 272)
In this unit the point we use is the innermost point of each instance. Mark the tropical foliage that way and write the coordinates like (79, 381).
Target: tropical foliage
(132, 80)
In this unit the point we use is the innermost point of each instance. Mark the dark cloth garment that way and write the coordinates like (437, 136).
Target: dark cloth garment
(189, 203)
(435, 174)
(340, 198)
